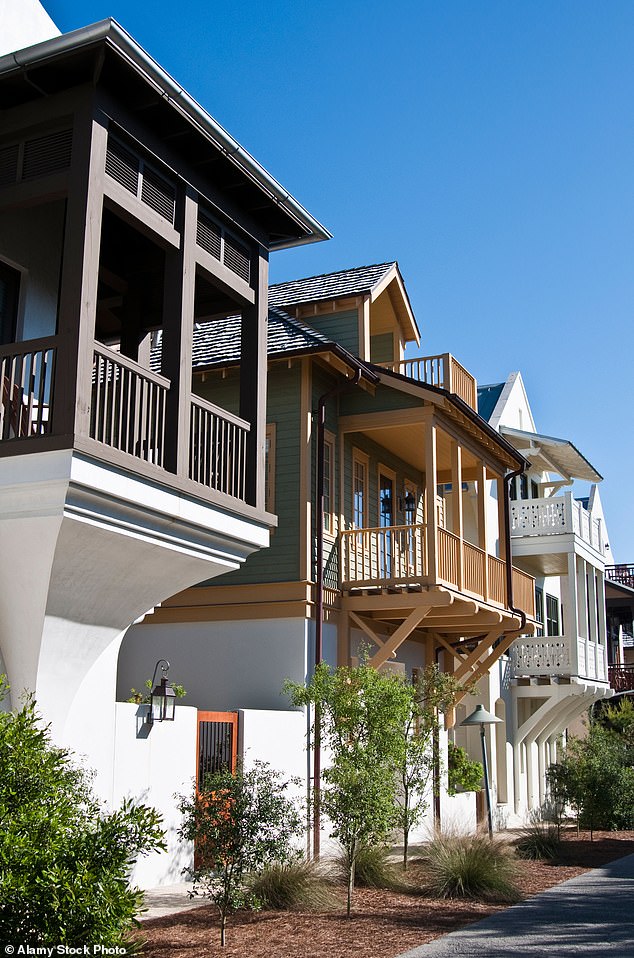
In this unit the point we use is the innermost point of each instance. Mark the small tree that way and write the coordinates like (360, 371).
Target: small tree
(462, 772)
(362, 715)
(434, 693)
(239, 823)
(64, 862)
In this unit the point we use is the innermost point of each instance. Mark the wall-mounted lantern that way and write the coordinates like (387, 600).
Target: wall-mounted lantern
(163, 698)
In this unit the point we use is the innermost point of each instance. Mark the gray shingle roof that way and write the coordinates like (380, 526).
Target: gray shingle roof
(346, 282)
(218, 341)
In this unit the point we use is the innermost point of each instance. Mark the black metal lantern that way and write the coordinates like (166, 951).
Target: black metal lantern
(409, 508)
(163, 698)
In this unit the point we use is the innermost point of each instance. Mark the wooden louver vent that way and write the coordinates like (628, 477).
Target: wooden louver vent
(47, 154)
(135, 175)
(215, 240)
(40, 156)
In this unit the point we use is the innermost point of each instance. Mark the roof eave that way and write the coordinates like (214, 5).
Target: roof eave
(112, 33)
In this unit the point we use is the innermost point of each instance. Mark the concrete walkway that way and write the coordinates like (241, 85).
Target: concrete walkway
(168, 900)
(589, 916)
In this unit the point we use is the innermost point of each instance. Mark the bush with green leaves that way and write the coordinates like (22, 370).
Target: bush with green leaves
(362, 713)
(595, 775)
(469, 866)
(239, 822)
(64, 861)
(462, 772)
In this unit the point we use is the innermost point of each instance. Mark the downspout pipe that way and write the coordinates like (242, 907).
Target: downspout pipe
(509, 563)
(319, 587)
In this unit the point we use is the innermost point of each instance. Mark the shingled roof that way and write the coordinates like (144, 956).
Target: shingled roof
(217, 343)
(347, 282)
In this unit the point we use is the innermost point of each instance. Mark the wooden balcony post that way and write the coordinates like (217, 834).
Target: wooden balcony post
(458, 522)
(482, 523)
(178, 329)
(253, 379)
(80, 273)
(431, 517)
(502, 492)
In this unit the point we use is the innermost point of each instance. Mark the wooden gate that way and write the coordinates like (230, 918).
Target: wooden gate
(216, 744)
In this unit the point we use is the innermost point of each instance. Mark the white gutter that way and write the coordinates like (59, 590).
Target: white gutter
(113, 33)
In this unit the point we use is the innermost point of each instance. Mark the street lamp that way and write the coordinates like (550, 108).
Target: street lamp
(163, 697)
(481, 717)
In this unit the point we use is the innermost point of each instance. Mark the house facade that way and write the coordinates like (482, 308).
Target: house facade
(381, 474)
(548, 680)
(127, 214)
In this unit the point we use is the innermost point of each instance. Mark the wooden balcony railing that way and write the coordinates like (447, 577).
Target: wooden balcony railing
(128, 406)
(621, 677)
(26, 379)
(383, 556)
(623, 573)
(443, 370)
(218, 448)
(397, 555)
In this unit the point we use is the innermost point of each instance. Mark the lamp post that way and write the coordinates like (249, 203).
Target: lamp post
(163, 697)
(481, 717)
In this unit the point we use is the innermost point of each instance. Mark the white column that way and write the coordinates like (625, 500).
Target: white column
(572, 624)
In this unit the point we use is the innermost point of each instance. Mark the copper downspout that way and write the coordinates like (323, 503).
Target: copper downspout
(319, 587)
(509, 563)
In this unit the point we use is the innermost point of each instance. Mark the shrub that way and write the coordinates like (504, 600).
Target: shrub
(291, 886)
(539, 840)
(373, 869)
(469, 866)
(64, 861)
(462, 772)
(240, 823)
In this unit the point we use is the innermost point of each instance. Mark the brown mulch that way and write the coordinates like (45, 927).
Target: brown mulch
(383, 924)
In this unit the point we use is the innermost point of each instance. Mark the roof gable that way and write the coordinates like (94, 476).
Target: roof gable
(346, 282)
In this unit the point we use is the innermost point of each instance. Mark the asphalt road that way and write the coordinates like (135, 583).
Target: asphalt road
(590, 916)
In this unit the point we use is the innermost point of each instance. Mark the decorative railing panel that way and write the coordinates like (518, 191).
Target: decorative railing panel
(443, 370)
(621, 573)
(541, 656)
(128, 406)
(555, 515)
(524, 592)
(382, 556)
(27, 377)
(218, 449)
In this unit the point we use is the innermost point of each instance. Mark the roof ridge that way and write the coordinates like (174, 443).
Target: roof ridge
(336, 272)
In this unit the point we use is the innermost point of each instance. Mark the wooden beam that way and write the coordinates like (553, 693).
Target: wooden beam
(408, 600)
(371, 634)
(400, 635)
(477, 653)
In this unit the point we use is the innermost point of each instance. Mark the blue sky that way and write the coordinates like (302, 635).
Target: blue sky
(487, 146)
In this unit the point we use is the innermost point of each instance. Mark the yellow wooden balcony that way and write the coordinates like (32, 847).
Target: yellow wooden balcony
(397, 557)
(443, 370)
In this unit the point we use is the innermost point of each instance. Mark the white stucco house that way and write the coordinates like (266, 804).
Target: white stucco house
(127, 213)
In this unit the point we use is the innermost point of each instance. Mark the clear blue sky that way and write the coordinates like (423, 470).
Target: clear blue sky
(487, 146)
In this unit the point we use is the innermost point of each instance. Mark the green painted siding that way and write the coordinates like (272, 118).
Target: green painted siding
(322, 383)
(359, 401)
(382, 348)
(342, 328)
(280, 562)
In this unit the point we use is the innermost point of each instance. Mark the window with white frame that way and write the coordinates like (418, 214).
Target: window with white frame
(359, 490)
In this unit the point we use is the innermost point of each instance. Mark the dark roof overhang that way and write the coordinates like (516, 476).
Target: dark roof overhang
(104, 52)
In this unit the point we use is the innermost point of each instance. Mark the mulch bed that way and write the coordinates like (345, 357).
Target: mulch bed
(383, 924)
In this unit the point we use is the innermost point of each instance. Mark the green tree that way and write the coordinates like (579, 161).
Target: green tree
(240, 822)
(362, 717)
(64, 862)
(594, 775)
(434, 693)
(462, 772)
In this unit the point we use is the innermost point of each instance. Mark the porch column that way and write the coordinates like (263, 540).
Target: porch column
(502, 544)
(253, 380)
(572, 624)
(458, 523)
(602, 651)
(80, 274)
(178, 326)
(431, 515)
(482, 523)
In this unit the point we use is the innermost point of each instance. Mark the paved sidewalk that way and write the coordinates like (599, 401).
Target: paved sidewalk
(590, 916)
(168, 900)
